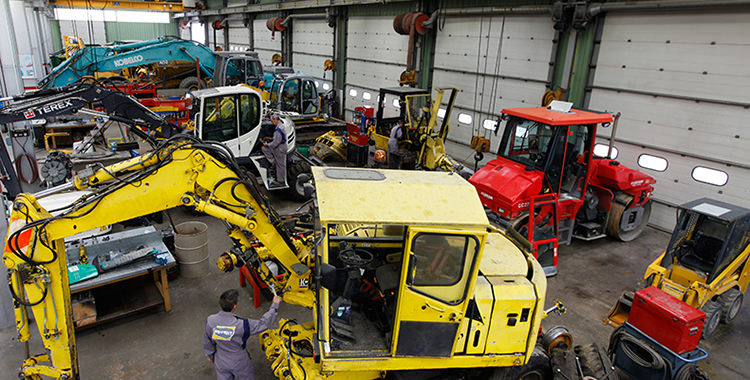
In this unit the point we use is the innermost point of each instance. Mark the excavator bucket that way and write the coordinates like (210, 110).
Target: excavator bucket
(620, 312)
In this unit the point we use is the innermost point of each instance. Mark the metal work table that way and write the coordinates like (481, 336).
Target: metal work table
(119, 304)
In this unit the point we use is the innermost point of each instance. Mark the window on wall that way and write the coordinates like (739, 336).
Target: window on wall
(710, 176)
(489, 124)
(366, 95)
(81, 14)
(600, 150)
(652, 162)
(352, 92)
(441, 113)
(396, 103)
(465, 118)
(197, 32)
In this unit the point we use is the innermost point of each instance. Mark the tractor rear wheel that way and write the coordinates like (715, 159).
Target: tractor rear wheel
(191, 84)
(731, 302)
(538, 368)
(627, 223)
(713, 316)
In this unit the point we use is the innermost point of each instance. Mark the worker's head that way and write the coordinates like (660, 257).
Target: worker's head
(228, 300)
(275, 119)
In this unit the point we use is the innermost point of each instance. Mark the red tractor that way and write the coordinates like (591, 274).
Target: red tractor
(545, 167)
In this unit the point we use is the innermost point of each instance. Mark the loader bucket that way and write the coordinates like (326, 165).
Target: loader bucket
(620, 312)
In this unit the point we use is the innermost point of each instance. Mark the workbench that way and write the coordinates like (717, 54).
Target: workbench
(129, 289)
(66, 130)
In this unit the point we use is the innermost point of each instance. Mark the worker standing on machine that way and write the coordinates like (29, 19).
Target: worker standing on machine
(275, 151)
(394, 156)
(226, 336)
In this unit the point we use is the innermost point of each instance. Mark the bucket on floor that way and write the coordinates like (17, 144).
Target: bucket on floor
(191, 248)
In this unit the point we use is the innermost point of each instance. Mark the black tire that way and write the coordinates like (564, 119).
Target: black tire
(191, 84)
(731, 302)
(594, 361)
(538, 368)
(713, 316)
(294, 170)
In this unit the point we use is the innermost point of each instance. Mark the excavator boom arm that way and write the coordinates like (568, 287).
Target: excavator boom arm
(97, 59)
(71, 98)
(181, 171)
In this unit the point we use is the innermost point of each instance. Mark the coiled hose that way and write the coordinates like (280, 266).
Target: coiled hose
(639, 352)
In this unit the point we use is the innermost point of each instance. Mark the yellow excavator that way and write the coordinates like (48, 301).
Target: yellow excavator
(394, 287)
(425, 129)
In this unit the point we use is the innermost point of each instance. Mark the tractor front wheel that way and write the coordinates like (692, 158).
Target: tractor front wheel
(731, 302)
(713, 316)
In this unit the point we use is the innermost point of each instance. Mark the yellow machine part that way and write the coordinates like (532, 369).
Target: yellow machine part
(512, 315)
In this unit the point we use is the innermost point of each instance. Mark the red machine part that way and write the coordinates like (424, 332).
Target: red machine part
(274, 24)
(667, 320)
(356, 136)
(517, 183)
(368, 111)
(612, 175)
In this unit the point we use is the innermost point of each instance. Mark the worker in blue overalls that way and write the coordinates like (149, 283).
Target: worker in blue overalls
(275, 150)
(226, 337)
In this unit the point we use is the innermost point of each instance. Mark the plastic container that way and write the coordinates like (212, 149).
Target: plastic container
(191, 248)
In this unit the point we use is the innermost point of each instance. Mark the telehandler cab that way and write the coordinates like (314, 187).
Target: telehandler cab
(705, 264)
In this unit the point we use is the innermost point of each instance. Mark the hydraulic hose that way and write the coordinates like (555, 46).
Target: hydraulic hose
(639, 352)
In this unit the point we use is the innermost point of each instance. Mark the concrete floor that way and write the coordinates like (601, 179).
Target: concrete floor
(163, 345)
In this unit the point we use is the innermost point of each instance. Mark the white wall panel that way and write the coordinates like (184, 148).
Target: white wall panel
(376, 57)
(265, 44)
(697, 55)
(95, 35)
(704, 129)
(675, 185)
(239, 35)
(312, 44)
(496, 62)
(701, 55)
(184, 32)
(215, 38)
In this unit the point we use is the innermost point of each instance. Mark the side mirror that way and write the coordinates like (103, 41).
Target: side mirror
(328, 276)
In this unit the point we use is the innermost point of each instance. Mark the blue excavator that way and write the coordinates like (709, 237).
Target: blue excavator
(202, 64)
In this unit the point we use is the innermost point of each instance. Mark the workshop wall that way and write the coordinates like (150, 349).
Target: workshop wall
(680, 81)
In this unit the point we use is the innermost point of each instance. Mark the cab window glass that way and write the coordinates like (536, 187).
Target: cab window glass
(310, 98)
(249, 112)
(235, 72)
(290, 96)
(442, 264)
(220, 119)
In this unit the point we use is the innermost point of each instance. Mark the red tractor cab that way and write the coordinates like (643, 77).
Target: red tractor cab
(545, 167)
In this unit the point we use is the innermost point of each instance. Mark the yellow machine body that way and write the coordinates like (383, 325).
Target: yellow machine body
(459, 294)
(481, 311)
(423, 133)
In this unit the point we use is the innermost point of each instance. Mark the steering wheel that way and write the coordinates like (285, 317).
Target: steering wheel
(355, 257)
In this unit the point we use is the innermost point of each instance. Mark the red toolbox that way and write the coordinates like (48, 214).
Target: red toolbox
(666, 319)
